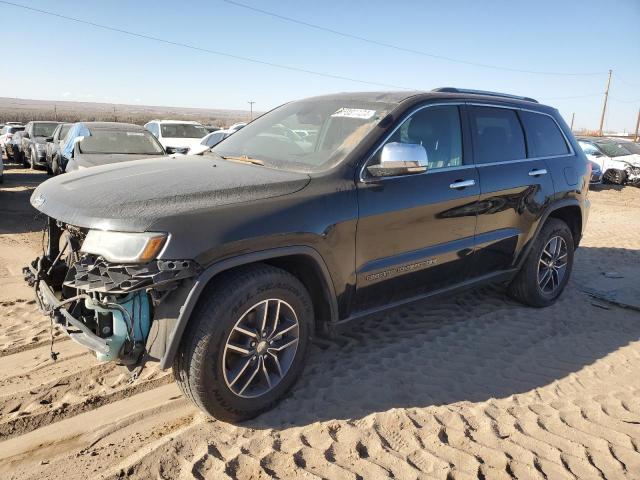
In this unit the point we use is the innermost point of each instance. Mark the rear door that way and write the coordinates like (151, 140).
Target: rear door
(415, 232)
(514, 188)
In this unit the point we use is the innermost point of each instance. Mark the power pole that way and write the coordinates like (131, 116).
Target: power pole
(115, 117)
(55, 112)
(251, 110)
(604, 105)
(638, 126)
(573, 117)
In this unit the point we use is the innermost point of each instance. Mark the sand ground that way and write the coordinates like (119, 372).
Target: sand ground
(473, 386)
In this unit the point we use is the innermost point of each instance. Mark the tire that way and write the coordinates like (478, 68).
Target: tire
(617, 177)
(55, 168)
(200, 366)
(32, 160)
(526, 286)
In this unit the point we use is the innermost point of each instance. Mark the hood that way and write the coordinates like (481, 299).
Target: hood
(630, 159)
(96, 159)
(133, 195)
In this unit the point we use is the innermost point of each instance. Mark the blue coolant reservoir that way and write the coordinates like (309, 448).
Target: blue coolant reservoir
(137, 305)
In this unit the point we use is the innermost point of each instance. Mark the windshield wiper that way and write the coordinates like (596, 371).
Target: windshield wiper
(244, 159)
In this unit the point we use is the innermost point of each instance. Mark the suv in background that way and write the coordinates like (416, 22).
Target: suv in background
(34, 143)
(177, 136)
(53, 147)
(225, 264)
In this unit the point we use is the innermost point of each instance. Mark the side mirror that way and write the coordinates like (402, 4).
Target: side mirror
(48, 139)
(25, 135)
(400, 159)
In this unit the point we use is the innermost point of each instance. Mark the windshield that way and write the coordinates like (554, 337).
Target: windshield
(183, 130)
(333, 127)
(63, 130)
(630, 146)
(14, 129)
(120, 142)
(44, 129)
(612, 150)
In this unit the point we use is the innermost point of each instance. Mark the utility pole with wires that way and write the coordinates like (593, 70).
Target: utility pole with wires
(573, 117)
(604, 105)
(637, 139)
(251, 110)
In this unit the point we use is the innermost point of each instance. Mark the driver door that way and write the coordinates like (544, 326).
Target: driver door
(415, 232)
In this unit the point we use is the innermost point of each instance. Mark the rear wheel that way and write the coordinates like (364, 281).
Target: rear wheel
(548, 266)
(246, 342)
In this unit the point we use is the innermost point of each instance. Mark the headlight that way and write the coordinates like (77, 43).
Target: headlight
(124, 247)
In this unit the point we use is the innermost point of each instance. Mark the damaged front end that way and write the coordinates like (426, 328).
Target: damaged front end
(105, 305)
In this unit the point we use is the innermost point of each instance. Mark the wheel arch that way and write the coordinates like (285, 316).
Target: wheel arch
(304, 262)
(567, 210)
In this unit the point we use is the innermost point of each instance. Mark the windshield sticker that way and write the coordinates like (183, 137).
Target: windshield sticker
(135, 134)
(355, 113)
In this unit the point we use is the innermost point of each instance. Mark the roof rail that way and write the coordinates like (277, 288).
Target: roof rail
(482, 92)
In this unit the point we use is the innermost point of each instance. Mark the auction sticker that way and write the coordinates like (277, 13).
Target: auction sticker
(355, 113)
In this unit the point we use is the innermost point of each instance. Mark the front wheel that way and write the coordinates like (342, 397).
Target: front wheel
(246, 342)
(617, 177)
(32, 160)
(547, 268)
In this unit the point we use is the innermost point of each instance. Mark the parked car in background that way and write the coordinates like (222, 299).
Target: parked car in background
(177, 136)
(619, 165)
(209, 141)
(236, 126)
(54, 145)
(630, 145)
(34, 143)
(13, 147)
(596, 173)
(89, 144)
(224, 266)
(7, 133)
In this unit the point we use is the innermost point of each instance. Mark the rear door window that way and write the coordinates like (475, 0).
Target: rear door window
(544, 137)
(498, 135)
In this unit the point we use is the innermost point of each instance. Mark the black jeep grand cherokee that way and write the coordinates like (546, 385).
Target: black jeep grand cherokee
(224, 265)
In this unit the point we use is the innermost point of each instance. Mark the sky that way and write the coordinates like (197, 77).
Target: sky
(57, 59)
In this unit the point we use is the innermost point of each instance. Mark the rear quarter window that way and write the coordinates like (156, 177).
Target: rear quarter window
(544, 137)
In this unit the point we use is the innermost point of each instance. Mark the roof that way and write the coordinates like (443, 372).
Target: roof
(449, 93)
(191, 122)
(112, 126)
(45, 121)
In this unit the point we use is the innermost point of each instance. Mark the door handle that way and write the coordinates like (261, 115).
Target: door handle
(536, 172)
(462, 184)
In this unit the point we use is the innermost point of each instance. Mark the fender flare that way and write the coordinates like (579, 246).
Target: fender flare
(203, 280)
(567, 202)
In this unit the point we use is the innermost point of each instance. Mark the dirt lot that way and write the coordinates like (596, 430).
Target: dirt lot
(474, 386)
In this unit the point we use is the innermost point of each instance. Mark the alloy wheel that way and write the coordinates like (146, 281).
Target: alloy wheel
(261, 348)
(552, 266)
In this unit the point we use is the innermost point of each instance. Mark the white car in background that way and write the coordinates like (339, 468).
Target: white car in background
(618, 164)
(210, 140)
(236, 126)
(177, 136)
